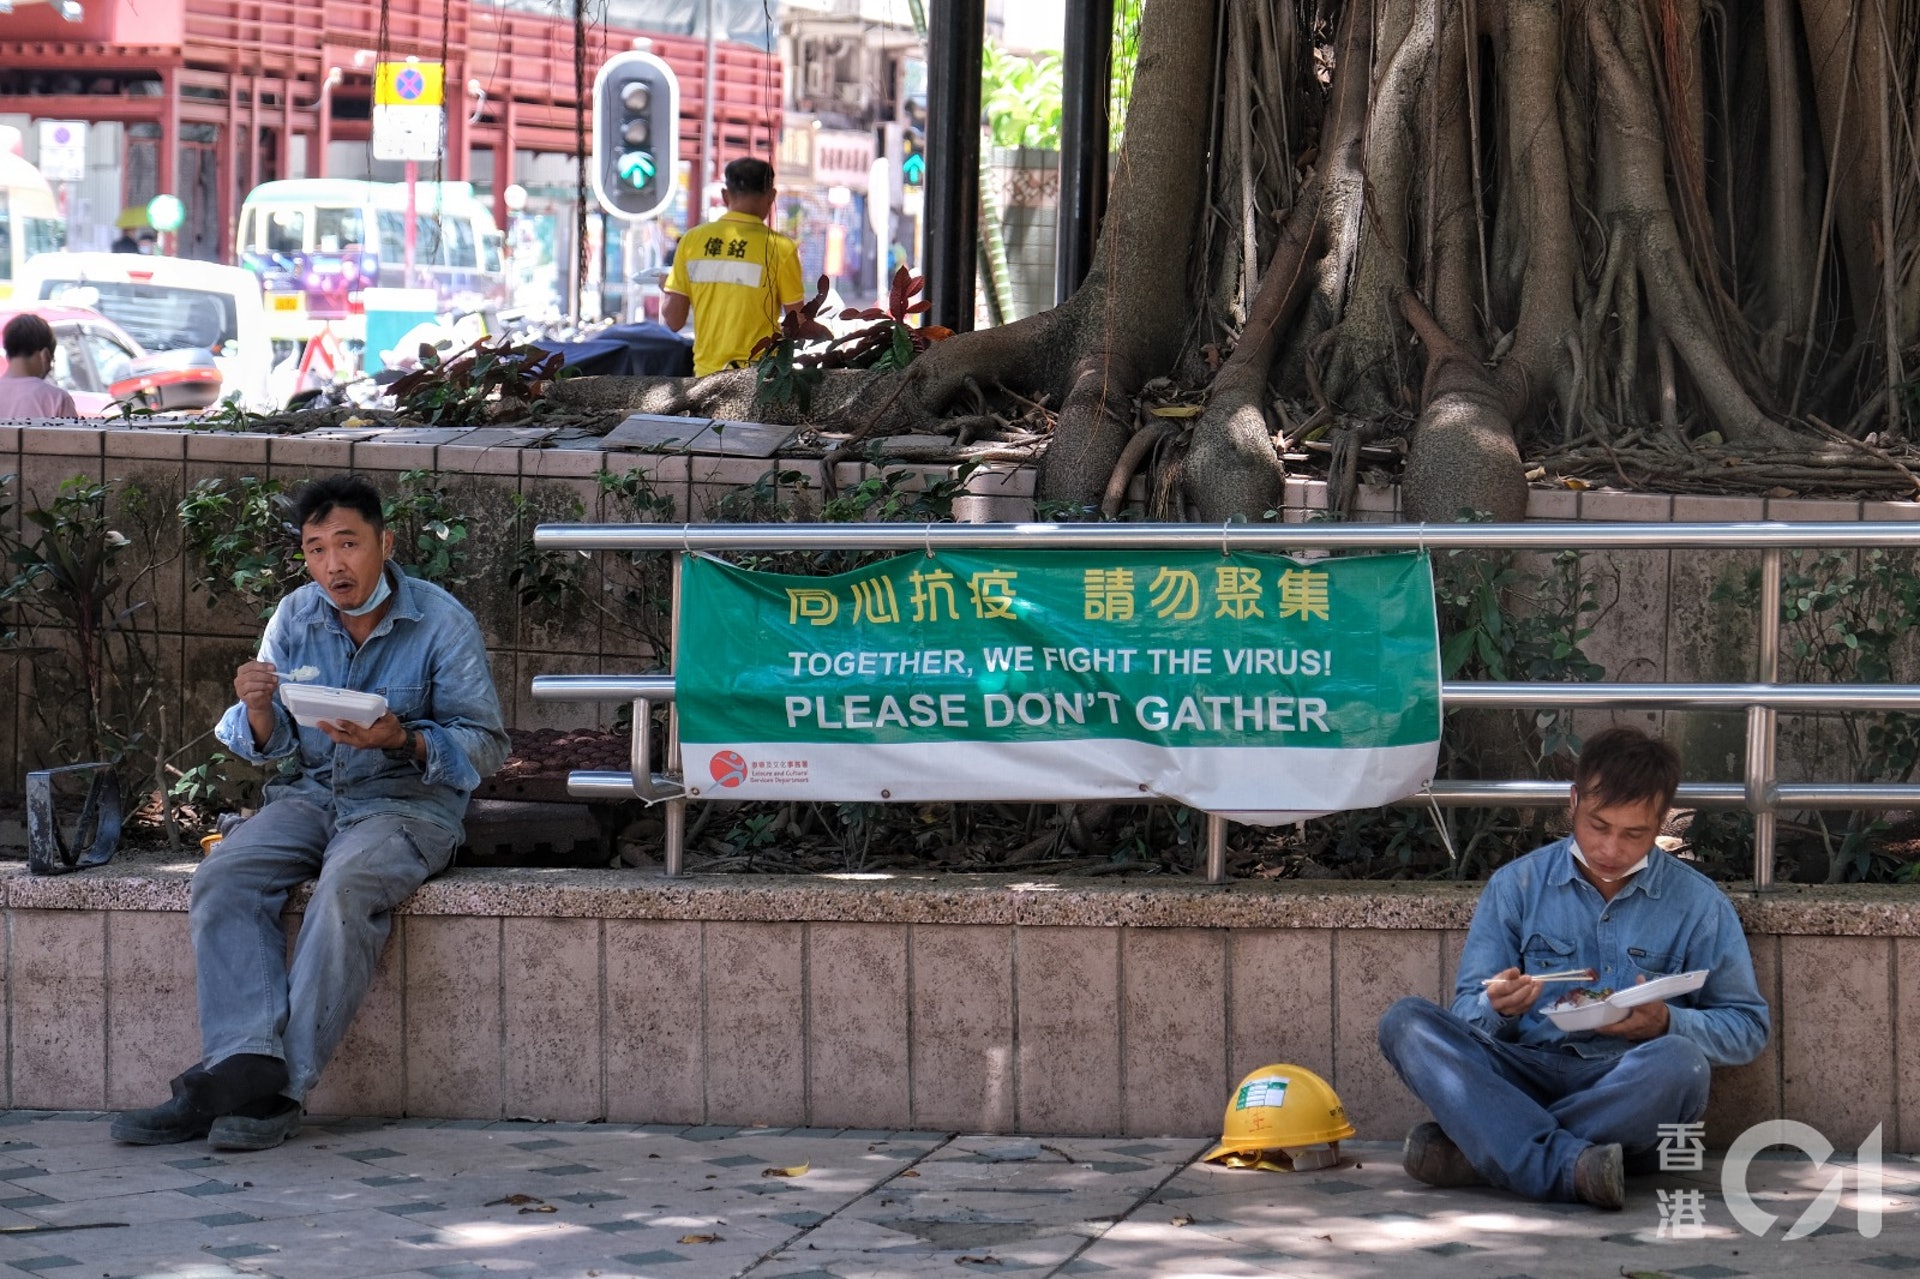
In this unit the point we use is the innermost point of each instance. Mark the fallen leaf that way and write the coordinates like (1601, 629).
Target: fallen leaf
(1577, 485)
(909, 1173)
(796, 1170)
(540, 1208)
(701, 1239)
(1175, 410)
(515, 1200)
(987, 1260)
(1183, 1220)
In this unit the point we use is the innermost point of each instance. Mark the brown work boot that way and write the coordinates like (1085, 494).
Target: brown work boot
(1431, 1157)
(1600, 1178)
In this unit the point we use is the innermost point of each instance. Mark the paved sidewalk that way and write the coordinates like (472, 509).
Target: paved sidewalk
(354, 1199)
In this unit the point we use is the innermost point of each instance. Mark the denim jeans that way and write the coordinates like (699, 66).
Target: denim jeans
(1522, 1113)
(251, 1001)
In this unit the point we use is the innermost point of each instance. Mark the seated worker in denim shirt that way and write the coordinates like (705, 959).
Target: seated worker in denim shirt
(1558, 1115)
(372, 810)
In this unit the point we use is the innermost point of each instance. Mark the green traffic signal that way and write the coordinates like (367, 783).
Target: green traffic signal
(635, 134)
(636, 168)
(913, 170)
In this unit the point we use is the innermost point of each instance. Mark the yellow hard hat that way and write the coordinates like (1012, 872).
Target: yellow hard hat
(1279, 1108)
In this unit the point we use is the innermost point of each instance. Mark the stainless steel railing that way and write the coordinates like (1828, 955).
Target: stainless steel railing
(1758, 790)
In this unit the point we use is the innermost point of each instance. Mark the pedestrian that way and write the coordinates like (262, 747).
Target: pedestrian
(1519, 1103)
(373, 810)
(736, 274)
(146, 242)
(126, 243)
(24, 391)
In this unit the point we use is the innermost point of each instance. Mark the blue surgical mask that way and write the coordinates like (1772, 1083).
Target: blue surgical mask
(374, 600)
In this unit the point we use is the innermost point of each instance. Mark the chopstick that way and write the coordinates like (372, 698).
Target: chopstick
(1572, 974)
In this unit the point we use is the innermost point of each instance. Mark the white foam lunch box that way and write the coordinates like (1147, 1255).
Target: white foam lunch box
(311, 703)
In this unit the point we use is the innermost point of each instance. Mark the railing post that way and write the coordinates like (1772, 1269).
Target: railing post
(1216, 849)
(1762, 722)
(674, 837)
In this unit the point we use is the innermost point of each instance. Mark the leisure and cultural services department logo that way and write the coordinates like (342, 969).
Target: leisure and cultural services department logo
(728, 768)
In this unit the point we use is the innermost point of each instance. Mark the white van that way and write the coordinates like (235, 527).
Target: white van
(318, 243)
(169, 303)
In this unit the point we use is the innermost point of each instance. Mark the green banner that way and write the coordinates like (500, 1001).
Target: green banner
(1250, 684)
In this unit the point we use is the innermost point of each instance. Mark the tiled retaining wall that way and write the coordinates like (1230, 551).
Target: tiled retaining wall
(945, 1003)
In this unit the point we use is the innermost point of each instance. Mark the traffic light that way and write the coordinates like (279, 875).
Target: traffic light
(913, 157)
(636, 134)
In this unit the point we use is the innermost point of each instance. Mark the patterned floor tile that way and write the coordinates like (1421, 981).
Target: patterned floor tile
(206, 1188)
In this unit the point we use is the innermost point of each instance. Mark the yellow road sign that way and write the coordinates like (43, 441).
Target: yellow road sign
(409, 84)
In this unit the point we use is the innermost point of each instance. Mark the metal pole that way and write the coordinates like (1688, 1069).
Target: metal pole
(407, 232)
(954, 40)
(1762, 721)
(675, 834)
(697, 198)
(1234, 537)
(1084, 133)
(1216, 849)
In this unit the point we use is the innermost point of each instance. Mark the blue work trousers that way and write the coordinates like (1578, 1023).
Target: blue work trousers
(1522, 1114)
(251, 999)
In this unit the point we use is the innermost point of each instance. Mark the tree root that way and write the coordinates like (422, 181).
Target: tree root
(1143, 442)
(1463, 457)
(1093, 431)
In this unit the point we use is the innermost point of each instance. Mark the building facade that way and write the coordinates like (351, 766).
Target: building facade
(205, 99)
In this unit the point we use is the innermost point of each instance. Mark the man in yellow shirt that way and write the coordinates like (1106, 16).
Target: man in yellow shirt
(735, 272)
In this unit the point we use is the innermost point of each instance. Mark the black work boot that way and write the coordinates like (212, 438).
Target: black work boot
(200, 1096)
(259, 1125)
(243, 1079)
(188, 1114)
(1430, 1156)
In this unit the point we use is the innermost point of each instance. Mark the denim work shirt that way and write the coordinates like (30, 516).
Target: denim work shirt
(1540, 915)
(427, 658)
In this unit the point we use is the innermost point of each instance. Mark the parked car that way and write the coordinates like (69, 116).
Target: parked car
(102, 366)
(168, 304)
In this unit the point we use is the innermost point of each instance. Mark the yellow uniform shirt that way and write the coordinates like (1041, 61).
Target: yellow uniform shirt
(738, 273)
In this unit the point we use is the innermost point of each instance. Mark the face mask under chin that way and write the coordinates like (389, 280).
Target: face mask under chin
(1611, 879)
(375, 600)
